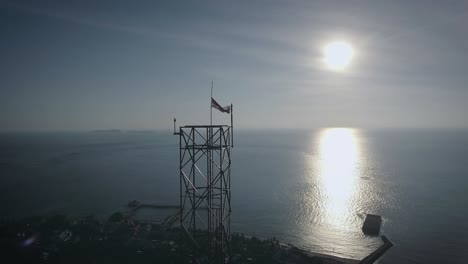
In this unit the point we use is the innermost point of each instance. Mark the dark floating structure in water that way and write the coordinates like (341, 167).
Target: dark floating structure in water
(372, 224)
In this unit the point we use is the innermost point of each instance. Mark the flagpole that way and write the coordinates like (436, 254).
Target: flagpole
(211, 106)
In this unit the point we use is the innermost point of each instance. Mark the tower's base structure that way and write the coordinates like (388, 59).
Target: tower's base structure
(205, 190)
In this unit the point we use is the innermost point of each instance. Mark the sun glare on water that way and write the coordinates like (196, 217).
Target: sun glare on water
(338, 55)
(339, 158)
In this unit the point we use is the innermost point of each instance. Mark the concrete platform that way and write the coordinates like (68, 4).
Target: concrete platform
(372, 224)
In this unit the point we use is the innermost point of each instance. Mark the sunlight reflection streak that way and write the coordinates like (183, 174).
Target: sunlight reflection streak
(339, 155)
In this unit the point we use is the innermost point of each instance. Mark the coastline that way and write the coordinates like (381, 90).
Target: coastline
(61, 237)
(326, 258)
(330, 259)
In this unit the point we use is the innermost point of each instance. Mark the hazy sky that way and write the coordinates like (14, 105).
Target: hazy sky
(84, 65)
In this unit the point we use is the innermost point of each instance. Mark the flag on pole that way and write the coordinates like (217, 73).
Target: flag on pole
(214, 104)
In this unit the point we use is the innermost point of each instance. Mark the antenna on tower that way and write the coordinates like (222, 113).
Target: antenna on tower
(175, 133)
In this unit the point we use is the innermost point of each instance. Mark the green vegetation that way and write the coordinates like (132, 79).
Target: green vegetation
(116, 217)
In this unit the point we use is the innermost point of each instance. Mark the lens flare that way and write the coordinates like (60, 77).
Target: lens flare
(29, 241)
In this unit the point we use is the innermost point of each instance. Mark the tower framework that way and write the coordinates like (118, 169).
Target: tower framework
(205, 190)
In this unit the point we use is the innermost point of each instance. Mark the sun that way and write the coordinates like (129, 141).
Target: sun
(338, 55)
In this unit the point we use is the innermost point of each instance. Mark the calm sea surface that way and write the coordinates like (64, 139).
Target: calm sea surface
(308, 188)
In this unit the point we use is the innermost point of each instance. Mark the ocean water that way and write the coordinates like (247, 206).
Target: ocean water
(308, 188)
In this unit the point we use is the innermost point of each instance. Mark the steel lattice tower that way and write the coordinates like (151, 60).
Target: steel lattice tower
(205, 190)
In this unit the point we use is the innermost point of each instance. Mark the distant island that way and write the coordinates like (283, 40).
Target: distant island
(107, 131)
(118, 131)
